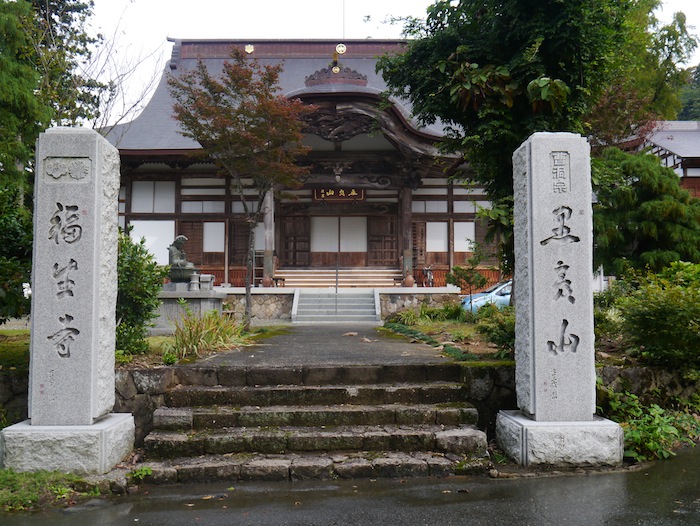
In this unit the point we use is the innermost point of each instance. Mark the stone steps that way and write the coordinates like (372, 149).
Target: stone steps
(311, 375)
(328, 307)
(313, 422)
(198, 418)
(308, 466)
(266, 395)
(281, 440)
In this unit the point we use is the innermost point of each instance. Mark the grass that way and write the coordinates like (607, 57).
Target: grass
(39, 490)
(14, 350)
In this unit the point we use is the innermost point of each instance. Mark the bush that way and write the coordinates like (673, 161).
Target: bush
(498, 325)
(662, 316)
(140, 279)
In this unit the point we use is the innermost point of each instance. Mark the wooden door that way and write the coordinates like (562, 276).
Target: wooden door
(382, 241)
(295, 238)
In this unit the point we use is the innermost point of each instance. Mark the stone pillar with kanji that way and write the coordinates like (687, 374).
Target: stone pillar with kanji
(554, 339)
(73, 320)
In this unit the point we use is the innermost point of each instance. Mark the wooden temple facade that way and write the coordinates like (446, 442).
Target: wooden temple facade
(379, 194)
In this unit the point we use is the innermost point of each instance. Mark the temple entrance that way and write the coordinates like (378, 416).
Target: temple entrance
(342, 241)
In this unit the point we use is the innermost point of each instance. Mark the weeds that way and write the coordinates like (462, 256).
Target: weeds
(195, 335)
(26, 491)
(650, 431)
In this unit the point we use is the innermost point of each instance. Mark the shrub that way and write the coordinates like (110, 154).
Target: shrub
(140, 279)
(662, 316)
(498, 325)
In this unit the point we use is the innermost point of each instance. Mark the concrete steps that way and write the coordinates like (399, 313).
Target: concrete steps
(328, 307)
(329, 422)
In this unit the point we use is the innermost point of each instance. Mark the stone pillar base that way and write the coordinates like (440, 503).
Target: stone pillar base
(83, 450)
(597, 442)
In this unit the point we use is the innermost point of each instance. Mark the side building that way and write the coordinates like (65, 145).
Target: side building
(380, 194)
(677, 143)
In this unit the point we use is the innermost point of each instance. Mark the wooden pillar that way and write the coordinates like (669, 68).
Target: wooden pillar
(269, 224)
(407, 237)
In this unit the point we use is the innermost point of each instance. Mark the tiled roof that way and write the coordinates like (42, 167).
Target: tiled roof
(679, 137)
(156, 129)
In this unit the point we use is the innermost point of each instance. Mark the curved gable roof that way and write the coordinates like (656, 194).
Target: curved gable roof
(155, 129)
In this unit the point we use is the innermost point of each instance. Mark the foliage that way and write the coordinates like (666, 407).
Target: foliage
(650, 431)
(690, 97)
(661, 316)
(643, 218)
(246, 129)
(62, 47)
(498, 326)
(27, 491)
(22, 114)
(15, 253)
(648, 77)
(140, 279)
(198, 334)
(496, 72)
(468, 278)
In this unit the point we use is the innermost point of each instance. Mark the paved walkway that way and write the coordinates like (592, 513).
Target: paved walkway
(329, 344)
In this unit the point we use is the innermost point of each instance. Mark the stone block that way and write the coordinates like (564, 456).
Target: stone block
(316, 468)
(208, 472)
(599, 442)
(172, 418)
(90, 449)
(124, 384)
(465, 440)
(355, 468)
(154, 381)
(266, 469)
(398, 465)
(274, 376)
(197, 376)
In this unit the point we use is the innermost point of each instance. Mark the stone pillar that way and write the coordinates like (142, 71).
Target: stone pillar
(74, 291)
(554, 340)
(269, 224)
(407, 237)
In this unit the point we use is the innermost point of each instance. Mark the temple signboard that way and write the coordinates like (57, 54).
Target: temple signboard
(339, 195)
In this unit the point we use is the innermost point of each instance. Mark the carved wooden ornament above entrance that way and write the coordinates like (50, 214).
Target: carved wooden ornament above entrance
(327, 76)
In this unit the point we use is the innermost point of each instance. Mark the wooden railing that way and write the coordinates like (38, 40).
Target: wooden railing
(439, 276)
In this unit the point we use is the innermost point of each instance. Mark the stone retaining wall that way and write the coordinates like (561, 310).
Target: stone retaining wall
(391, 303)
(489, 388)
(267, 306)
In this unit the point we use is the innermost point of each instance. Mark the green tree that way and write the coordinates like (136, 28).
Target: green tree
(642, 218)
(467, 277)
(139, 280)
(648, 77)
(246, 129)
(690, 97)
(22, 115)
(495, 72)
(62, 50)
(15, 253)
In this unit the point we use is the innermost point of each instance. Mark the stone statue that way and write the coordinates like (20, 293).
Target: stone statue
(180, 268)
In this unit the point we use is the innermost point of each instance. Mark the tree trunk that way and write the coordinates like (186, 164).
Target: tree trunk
(249, 275)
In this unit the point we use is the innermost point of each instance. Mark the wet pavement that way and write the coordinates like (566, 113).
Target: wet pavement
(331, 344)
(664, 493)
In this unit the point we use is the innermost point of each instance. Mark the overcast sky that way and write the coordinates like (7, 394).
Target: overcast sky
(143, 26)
